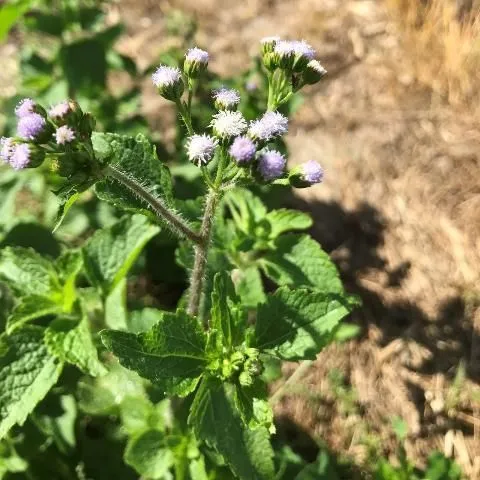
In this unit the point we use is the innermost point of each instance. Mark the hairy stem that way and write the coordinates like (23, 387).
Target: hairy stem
(197, 280)
(164, 213)
(185, 114)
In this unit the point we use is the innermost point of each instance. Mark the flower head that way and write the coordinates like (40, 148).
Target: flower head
(7, 145)
(60, 110)
(270, 125)
(168, 81)
(24, 107)
(196, 61)
(271, 164)
(30, 126)
(201, 148)
(293, 54)
(226, 98)
(242, 150)
(227, 124)
(20, 157)
(196, 54)
(314, 72)
(64, 135)
(312, 172)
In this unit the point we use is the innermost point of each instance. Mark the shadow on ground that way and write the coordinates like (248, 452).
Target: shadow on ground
(354, 239)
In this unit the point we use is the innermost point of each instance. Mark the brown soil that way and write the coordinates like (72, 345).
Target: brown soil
(399, 211)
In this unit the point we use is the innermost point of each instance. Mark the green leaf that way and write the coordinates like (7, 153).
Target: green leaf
(109, 253)
(148, 454)
(27, 272)
(247, 209)
(137, 158)
(71, 341)
(260, 451)
(297, 324)
(284, 220)
(30, 308)
(249, 286)
(298, 260)
(69, 265)
(27, 373)
(10, 14)
(323, 468)
(143, 320)
(213, 419)
(441, 468)
(253, 407)
(116, 315)
(171, 354)
(221, 319)
(139, 414)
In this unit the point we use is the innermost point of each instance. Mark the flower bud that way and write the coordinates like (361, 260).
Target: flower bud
(66, 112)
(25, 107)
(306, 174)
(268, 47)
(26, 155)
(196, 62)
(226, 99)
(34, 127)
(169, 82)
(246, 379)
(314, 72)
(242, 150)
(271, 165)
(293, 55)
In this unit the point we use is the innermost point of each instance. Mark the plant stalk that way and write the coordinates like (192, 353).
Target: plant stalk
(164, 213)
(197, 280)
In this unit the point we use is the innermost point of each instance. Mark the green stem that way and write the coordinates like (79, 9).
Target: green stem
(185, 114)
(294, 377)
(197, 279)
(163, 212)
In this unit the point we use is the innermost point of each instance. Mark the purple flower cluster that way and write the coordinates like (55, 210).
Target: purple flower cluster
(17, 155)
(64, 135)
(166, 76)
(60, 110)
(271, 164)
(242, 150)
(269, 126)
(30, 126)
(312, 172)
(25, 107)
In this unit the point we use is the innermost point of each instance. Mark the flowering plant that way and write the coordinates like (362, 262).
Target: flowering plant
(199, 406)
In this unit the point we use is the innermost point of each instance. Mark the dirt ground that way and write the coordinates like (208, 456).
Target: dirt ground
(399, 211)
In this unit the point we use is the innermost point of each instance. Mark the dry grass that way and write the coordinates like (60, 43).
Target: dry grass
(443, 39)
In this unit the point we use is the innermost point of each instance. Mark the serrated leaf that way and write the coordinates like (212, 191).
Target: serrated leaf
(109, 253)
(69, 265)
(148, 454)
(30, 308)
(171, 354)
(27, 272)
(71, 341)
(246, 208)
(284, 220)
(299, 261)
(297, 324)
(253, 407)
(137, 158)
(261, 452)
(27, 373)
(214, 420)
